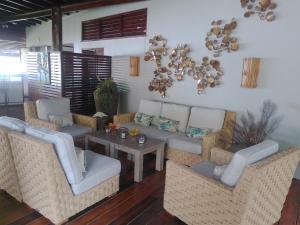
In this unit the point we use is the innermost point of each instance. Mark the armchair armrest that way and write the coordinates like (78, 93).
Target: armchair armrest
(43, 123)
(124, 118)
(209, 141)
(85, 120)
(220, 156)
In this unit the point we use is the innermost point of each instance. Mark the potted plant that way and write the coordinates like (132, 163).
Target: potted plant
(106, 97)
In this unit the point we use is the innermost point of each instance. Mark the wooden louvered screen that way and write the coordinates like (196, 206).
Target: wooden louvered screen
(121, 25)
(36, 90)
(79, 79)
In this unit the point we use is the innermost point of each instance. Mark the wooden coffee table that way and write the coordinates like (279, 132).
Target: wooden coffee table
(113, 143)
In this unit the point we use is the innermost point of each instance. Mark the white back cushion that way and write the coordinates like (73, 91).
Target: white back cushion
(207, 118)
(247, 156)
(65, 150)
(151, 108)
(178, 113)
(13, 123)
(57, 106)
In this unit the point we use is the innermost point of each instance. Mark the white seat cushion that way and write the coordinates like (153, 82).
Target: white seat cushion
(178, 113)
(243, 158)
(151, 131)
(65, 149)
(57, 106)
(76, 130)
(205, 168)
(151, 108)
(186, 144)
(13, 123)
(99, 168)
(207, 118)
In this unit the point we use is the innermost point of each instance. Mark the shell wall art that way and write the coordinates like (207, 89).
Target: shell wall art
(180, 61)
(263, 8)
(157, 50)
(220, 39)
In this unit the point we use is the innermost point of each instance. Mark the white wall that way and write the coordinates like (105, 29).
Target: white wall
(188, 22)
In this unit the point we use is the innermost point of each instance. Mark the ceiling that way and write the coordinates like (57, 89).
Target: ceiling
(16, 15)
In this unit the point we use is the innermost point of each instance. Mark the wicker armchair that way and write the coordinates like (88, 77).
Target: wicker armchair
(208, 142)
(257, 199)
(32, 118)
(8, 174)
(44, 185)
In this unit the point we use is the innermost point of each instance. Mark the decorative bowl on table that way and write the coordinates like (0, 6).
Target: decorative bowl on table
(141, 139)
(134, 132)
(123, 132)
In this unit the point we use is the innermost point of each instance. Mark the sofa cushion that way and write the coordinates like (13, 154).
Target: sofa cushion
(76, 130)
(99, 168)
(205, 168)
(186, 144)
(62, 120)
(80, 153)
(13, 123)
(57, 106)
(207, 118)
(152, 131)
(65, 150)
(151, 108)
(243, 158)
(178, 113)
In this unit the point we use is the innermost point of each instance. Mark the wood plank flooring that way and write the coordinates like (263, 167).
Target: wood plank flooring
(136, 204)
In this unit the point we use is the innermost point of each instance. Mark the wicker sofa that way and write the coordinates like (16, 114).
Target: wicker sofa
(35, 115)
(44, 181)
(180, 148)
(8, 174)
(257, 199)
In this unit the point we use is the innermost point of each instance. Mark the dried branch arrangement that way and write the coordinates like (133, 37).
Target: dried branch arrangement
(251, 132)
(263, 8)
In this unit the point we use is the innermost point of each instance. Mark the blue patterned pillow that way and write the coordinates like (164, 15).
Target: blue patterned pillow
(143, 119)
(195, 132)
(168, 124)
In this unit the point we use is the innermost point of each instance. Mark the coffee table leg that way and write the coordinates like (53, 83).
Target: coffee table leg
(86, 143)
(113, 151)
(107, 149)
(138, 167)
(160, 158)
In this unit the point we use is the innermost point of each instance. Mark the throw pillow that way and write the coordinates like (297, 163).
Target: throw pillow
(168, 124)
(219, 170)
(143, 119)
(195, 132)
(62, 120)
(81, 158)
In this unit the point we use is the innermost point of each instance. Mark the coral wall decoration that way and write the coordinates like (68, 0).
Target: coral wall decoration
(263, 8)
(180, 61)
(219, 38)
(208, 74)
(162, 80)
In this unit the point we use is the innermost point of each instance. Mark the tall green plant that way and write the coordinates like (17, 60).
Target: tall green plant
(106, 97)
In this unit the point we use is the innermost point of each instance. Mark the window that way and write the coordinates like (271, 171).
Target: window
(121, 25)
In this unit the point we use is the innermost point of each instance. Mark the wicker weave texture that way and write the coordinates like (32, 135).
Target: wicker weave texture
(256, 200)
(44, 185)
(220, 156)
(85, 121)
(8, 174)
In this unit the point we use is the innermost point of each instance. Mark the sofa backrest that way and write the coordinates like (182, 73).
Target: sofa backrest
(13, 123)
(57, 106)
(207, 118)
(65, 149)
(178, 113)
(152, 108)
(245, 157)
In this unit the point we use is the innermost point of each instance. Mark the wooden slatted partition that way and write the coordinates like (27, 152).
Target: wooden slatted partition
(128, 24)
(79, 79)
(36, 90)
